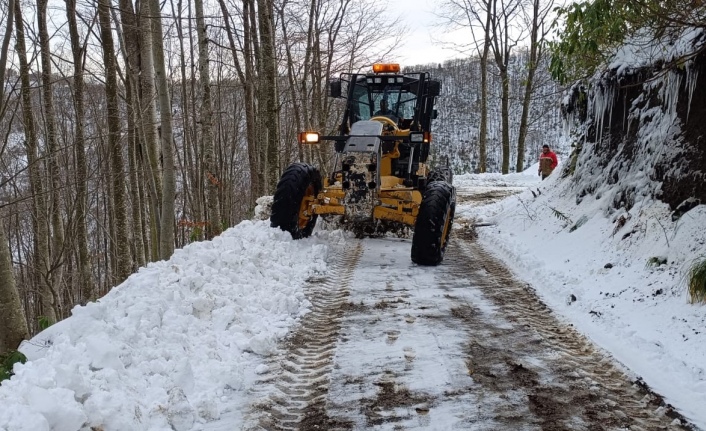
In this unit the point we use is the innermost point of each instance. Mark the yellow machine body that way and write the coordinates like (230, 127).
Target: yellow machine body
(394, 201)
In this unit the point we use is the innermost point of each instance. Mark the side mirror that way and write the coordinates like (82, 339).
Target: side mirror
(434, 88)
(334, 87)
(434, 114)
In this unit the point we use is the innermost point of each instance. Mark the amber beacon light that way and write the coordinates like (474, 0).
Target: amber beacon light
(386, 68)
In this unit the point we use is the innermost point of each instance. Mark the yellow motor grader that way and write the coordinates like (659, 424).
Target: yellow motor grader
(381, 179)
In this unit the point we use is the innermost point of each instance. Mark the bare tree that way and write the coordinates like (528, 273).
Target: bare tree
(121, 244)
(12, 319)
(5, 48)
(476, 16)
(84, 258)
(149, 121)
(502, 13)
(40, 221)
(130, 47)
(213, 228)
(193, 196)
(251, 55)
(247, 81)
(320, 38)
(166, 242)
(535, 21)
(268, 109)
(57, 235)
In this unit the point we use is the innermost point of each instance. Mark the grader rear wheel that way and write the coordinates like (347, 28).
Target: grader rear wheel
(298, 186)
(440, 174)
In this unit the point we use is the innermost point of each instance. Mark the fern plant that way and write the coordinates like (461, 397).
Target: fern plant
(43, 322)
(560, 215)
(7, 361)
(696, 281)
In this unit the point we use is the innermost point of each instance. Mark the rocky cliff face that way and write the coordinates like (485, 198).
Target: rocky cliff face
(640, 127)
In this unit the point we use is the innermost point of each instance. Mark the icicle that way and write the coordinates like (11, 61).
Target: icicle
(692, 75)
(602, 103)
(670, 93)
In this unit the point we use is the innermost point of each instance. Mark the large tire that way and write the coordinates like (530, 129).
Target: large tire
(433, 225)
(298, 181)
(449, 173)
(440, 174)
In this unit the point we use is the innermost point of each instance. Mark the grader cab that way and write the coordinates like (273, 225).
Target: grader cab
(381, 180)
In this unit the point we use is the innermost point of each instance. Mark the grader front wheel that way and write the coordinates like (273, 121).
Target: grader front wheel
(298, 186)
(433, 225)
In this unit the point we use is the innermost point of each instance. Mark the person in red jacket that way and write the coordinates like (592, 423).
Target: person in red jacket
(547, 162)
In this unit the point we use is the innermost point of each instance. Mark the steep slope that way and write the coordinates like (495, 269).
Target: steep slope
(639, 125)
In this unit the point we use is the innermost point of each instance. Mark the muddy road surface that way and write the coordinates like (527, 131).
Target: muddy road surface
(390, 345)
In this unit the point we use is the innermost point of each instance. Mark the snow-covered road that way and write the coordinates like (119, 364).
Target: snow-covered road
(461, 346)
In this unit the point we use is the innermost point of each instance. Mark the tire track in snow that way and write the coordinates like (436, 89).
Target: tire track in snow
(585, 389)
(297, 383)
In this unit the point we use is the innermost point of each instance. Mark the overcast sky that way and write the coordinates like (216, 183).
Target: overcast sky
(429, 42)
(422, 44)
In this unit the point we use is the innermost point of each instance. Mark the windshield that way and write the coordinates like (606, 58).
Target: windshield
(393, 100)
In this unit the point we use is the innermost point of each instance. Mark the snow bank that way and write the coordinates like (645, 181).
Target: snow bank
(172, 346)
(616, 276)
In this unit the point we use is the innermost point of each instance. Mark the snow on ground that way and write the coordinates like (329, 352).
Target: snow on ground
(179, 343)
(173, 346)
(605, 279)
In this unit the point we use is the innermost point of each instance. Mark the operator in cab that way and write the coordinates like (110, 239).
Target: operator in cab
(385, 111)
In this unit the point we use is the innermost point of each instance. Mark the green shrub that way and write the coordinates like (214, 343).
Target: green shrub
(655, 261)
(43, 322)
(582, 221)
(7, 361)
(696, 280)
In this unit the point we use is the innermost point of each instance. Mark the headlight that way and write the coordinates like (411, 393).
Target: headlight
(309, 137)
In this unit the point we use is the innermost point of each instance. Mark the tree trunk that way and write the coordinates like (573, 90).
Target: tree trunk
(483, 138)
(245, 77)
(256, 169)
(253, 68)
(308, 60)
(149, 121)
(505, 114)
(296, 104)
(193, 196)
(40, 221)
(133, 167)
(124, 260)
(5, 48)
(131, 55)
(12, 319)
(84, 258)
(268, 90)
(502, 49)
(57, 236)
(529, 84)
(166, 242)
(213, 228)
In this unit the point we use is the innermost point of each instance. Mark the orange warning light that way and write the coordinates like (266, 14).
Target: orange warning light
(386, 68)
